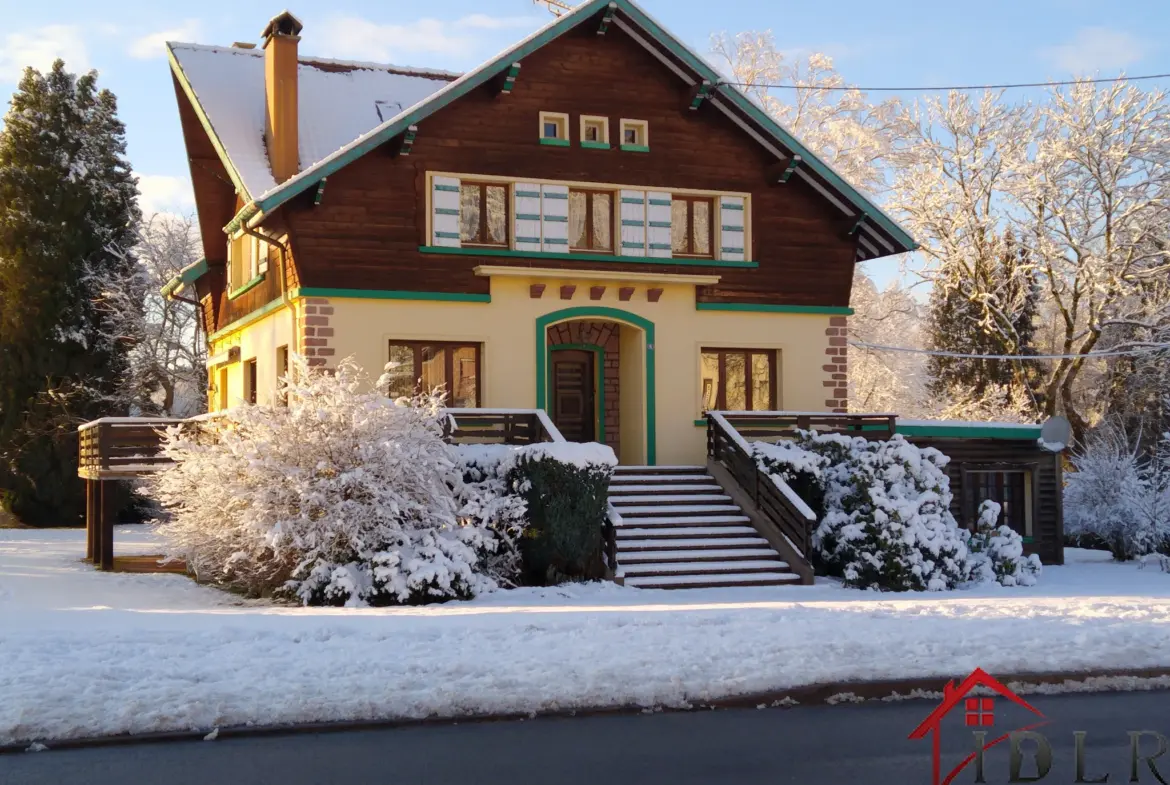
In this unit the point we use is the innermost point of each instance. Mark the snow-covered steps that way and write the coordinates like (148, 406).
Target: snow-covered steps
(679, 529)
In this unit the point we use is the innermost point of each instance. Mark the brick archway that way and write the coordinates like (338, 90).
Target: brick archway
(603, 338)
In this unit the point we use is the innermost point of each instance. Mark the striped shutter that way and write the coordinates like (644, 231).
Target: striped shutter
(527, 212)
(658, 224)
(445, 211)
(732, 220)
(554, 236)
(633, 234)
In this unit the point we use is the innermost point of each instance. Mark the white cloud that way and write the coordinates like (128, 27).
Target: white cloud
(160, 193)
(1095, 49)
(355, 38)
(153, 44)
(39, 48)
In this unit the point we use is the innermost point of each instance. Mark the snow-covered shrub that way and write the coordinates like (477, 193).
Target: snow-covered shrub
(565, 486)
(996, 553)
(799, 466)
(341, 497)
(488, 499)
(1119, 494)
(885, 522)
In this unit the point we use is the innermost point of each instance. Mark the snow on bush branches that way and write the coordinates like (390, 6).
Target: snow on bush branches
(997, 553)
(884, 510)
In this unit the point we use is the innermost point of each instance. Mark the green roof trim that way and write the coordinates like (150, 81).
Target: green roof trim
(384, 294)
(252, 284)
(500, 64)
(950, 430)
(247, 319)
(830, 310)
(185, 277)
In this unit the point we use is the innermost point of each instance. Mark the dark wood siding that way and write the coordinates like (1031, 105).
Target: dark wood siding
(1047, 520)
(366, 232)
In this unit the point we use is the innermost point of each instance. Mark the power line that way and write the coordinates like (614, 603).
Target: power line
(962, 355)
(943, 88)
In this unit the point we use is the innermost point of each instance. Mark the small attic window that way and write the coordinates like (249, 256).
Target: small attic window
(635, 135)
(554, 129)
(594, 131)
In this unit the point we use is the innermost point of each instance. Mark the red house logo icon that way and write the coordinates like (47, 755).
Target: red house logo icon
(978, 712)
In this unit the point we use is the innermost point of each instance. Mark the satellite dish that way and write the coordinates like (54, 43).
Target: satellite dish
(1057, 430)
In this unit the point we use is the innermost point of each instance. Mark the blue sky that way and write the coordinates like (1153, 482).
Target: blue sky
(893, 43)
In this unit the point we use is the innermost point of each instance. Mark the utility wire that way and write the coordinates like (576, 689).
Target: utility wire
(943, 88)
(963, 355)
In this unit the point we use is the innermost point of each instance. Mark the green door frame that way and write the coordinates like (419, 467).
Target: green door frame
(543, 351)
(598, 381)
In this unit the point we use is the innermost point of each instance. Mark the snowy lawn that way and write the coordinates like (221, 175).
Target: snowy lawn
(86, 653)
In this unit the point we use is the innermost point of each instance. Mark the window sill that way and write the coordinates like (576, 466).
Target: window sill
(636, 148)
(588, 145)
(252, 284)
(554, 142)
(581, 257)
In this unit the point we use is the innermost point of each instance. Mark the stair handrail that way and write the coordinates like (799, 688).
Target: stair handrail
(772, 496)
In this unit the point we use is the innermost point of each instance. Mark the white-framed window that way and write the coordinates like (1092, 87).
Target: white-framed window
(594, 131)
(554, 128)
(635, 135)
(247, 260)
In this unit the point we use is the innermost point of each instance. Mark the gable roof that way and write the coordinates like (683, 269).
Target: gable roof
(338, 101)
(879, 235)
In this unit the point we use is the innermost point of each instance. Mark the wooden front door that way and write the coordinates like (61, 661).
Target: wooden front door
(574, 402)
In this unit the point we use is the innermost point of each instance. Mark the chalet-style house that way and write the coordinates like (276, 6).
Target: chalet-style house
(591, 224)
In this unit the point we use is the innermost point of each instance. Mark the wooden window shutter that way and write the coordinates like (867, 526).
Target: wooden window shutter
(554, 225)
(732, 223)
(658, 224)
(527, 219)
(445, 211)
(633, 224)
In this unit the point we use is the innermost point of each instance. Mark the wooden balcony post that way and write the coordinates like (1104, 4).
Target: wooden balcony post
(108, 504)
(90, 521)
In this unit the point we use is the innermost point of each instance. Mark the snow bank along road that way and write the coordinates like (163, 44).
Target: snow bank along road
(89, 654)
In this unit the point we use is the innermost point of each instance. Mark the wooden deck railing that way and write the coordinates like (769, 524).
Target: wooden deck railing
(775, 500)
(500, 426)
(782, 425)
(117, 448)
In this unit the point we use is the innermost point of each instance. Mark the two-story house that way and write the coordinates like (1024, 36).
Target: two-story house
(591, 223)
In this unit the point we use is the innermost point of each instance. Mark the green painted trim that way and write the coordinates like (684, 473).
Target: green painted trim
(205, 121)
(731, 206)
(613, 314)
(588, 145)
(831, 310)
(702, 423)
(660, 203)
(599, 380)
(528, 194)
(555, 241)
(636, 148)
(446, 211)
(658, 224)
(244, 321)
(561, 219)
(950, 431)
(531, 240)
(732, 229)
(632, 222)
(557, 194)
(449, 235)
(554, 142)
(447, 188)
(252, 284)
(632, 200)
(1028, 540)
(580, 257)
(384, 294)
(188, 275)
(659, 246)
(527, 217)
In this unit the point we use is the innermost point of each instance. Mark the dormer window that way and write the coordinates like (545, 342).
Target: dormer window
(594, 131)
(635, 136)
(554, 129)
(247, 262)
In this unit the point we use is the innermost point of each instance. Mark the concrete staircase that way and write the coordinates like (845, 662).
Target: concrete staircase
(679, 530)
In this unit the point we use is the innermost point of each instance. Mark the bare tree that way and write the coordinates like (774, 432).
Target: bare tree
(884, 381)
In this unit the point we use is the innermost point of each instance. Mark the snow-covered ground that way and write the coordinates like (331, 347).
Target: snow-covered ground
(84, 653)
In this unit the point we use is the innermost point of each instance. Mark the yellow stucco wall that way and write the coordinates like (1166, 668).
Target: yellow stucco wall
(258, 340)
(506, 328)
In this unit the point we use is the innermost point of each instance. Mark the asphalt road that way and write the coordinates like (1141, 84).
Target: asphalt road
(848, 744)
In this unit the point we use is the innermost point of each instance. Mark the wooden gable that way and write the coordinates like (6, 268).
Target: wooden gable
(367, 230)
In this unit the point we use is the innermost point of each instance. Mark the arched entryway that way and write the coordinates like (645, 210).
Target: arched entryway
(595, 378)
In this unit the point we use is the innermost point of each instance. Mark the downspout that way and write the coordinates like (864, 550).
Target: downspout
(284, 298)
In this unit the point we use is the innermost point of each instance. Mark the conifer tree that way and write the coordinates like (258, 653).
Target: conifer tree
(68, 217)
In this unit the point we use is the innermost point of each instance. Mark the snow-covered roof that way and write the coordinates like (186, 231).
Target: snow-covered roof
(338, 101)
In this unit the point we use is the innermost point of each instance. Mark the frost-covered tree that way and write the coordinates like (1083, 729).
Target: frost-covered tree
(840, 125)
(884, 381)
(67, 220)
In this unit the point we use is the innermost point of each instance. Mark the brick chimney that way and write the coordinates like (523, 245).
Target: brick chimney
(280, 94)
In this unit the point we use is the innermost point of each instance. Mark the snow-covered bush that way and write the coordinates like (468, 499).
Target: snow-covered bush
(1119, 494)
(487, 498)
(996, 553)
(885, 522)
(341, 497)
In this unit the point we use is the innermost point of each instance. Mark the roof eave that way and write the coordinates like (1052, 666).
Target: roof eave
(185, 277)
